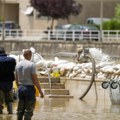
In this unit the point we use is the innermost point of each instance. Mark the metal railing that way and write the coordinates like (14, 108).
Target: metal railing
(111, 35)
(65, 35)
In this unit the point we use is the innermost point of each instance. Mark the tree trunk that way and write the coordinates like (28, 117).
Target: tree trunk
(68, 20)
(52, 23)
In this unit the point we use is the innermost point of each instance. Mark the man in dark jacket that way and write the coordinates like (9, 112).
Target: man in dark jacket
(7, 67)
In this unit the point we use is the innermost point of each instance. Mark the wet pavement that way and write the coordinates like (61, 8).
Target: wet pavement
(95, 106)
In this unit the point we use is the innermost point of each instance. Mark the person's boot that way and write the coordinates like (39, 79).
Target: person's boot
(1, 109)
(9, 108)
(19, 117)
(27, 118)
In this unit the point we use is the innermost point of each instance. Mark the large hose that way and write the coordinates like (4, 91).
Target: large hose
(92, 77)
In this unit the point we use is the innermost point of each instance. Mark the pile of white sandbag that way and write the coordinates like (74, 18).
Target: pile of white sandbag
(80, 70)
(105, 69)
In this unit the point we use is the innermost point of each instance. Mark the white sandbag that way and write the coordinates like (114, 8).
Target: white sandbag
(40, 64)
(56, 63)
(103, 64)
(62, 65)
(78, 71)
(65, 66)
(70, 65)
(87, 65)
(48, 63)
(35, 58)
(117, 67)
(107, 69)
(18, 58)
(76, 68)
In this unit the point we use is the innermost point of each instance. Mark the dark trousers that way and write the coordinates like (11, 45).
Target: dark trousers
(6, 93)
(26, 103)
(7, 98)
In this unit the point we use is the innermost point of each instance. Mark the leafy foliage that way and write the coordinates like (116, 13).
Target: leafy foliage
(117, 12)
(0, 18)
(57, 8)
(112, 25)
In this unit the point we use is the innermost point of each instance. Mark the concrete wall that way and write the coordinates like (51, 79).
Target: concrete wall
(49, 48)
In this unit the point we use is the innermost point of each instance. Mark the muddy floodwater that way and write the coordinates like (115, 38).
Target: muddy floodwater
(95, 106)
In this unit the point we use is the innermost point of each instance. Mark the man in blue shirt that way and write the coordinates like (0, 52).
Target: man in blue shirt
(7, 67)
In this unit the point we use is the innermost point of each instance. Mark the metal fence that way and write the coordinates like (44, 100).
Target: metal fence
(65, 35)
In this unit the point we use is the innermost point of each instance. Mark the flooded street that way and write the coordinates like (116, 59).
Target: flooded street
(90, 108)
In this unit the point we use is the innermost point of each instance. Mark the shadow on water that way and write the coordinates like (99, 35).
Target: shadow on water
(115, 108)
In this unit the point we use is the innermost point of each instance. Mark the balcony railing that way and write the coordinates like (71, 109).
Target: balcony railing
(64, 35)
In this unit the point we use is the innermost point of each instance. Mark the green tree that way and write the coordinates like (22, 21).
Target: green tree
(117, 12)
(57, 9)
(0, 18)
(113, 24)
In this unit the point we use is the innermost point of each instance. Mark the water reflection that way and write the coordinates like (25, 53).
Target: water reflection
(73, 108)
(52, 104)
(115, 108)
(70, 109)
(6, 117)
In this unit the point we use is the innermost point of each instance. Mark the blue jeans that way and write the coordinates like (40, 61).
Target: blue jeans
(26, 103)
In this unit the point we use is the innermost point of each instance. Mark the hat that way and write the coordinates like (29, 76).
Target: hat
(2, 50)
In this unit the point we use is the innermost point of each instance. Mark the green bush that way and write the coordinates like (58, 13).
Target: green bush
(111, 25)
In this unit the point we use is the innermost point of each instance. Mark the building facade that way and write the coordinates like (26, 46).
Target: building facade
(21, 12)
